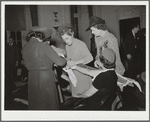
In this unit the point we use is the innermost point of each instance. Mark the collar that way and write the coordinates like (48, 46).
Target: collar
(105, 32)
(105, 70)
(40, 40)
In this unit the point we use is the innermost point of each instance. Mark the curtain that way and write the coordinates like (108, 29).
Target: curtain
(14, 17)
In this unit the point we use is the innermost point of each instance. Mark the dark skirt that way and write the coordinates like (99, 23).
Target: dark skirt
(42, 92)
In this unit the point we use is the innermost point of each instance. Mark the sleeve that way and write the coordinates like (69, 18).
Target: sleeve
(87, 56)
(97, 46)
(113, 44)
(127, 45)
(52, 55)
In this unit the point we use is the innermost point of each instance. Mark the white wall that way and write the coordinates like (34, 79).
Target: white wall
(112, 15)
(46, 17)
(84, 35)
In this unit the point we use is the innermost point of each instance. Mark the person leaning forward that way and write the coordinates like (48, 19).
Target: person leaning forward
(77, 53)
(39, 58)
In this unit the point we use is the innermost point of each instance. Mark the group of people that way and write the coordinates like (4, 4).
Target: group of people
(39, 58)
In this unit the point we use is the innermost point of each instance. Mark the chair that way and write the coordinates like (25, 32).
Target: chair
(106, 102)
(81, 103)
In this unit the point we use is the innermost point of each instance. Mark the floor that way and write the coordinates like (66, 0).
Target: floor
(17, 99)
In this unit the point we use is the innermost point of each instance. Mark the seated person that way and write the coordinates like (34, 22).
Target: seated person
(104, 79)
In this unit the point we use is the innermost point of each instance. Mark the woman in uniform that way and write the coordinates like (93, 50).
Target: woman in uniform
(39, 58)
(78, 53)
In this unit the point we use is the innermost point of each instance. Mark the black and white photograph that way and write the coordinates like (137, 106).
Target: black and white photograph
(74, 60)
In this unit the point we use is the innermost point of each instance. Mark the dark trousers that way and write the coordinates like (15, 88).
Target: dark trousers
(130, 70)
(13, 71)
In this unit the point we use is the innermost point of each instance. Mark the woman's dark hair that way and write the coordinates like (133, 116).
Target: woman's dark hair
(36, 34)
(106, 63)
(66, 31)
(101, 26)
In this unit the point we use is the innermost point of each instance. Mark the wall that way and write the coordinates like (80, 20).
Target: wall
(14, 17)
(112, 15)
(46, 18)
(84, 35)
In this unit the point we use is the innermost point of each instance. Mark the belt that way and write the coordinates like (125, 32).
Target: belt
(39, 70)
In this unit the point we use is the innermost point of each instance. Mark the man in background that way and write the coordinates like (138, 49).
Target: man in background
(130, 45)
(11, 56)
(11, 59)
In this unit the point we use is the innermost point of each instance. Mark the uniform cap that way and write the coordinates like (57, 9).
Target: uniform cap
(109, 54)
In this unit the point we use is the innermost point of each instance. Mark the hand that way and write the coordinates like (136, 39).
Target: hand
(129, 57)
(97, 64)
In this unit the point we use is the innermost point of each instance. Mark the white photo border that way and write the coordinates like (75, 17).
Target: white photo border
(72, 115)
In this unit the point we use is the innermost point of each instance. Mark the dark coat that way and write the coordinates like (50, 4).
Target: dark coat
(39, 58)
(140, 56)
(11, 56)
(11, 53)
(130, 44)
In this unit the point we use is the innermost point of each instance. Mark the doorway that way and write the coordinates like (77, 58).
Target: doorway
(125, 28)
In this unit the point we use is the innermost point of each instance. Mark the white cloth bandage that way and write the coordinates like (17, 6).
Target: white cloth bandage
(71, 75)
(69, 71)
(124, 81)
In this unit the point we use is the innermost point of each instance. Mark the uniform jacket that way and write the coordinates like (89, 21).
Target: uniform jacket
(130, 44)
(39, 55)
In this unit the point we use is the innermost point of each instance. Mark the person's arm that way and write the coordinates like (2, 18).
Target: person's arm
(85, 60)
(84, 53)
(97, 46)
(127, 45)
(113, 44)
(52, 55)
(87, 56)
(59, 50)
(87, 71)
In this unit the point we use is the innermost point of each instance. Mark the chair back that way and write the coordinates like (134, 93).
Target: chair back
(106, 102)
